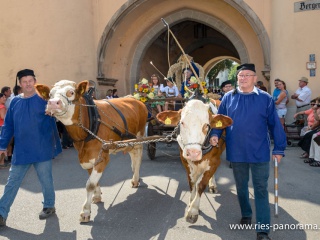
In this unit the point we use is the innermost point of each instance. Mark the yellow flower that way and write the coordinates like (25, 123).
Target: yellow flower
(205, 91)
(145, 90)
(203, 83)
(143, 99)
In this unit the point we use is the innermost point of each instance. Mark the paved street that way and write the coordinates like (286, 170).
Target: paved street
(156, 209)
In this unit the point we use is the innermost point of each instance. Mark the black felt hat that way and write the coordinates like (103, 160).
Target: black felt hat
(23, 73)
(225, 83)
(246, 66)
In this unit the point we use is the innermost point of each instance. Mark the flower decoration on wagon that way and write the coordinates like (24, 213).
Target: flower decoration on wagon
(195, 85)
(143, 91)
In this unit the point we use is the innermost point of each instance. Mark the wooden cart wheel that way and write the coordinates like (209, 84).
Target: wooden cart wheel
(152, 151)
(151, 147)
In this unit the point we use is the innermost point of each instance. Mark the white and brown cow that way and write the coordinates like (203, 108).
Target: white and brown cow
(66, 102)
(194, 122)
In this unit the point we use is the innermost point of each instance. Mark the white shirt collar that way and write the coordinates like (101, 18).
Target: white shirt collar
(254, 90)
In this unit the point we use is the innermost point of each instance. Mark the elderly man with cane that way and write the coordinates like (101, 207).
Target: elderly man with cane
(248, 144)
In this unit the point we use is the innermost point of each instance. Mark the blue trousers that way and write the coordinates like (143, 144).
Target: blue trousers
(16, 175)
(260, 176)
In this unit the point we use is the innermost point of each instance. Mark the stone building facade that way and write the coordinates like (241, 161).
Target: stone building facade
(112, 42)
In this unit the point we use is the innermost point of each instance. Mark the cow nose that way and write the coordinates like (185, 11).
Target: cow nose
(194, 154)
(55, 103)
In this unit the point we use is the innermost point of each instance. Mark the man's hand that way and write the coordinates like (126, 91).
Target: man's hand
(3, 151)
(214, 141)
(278, 157)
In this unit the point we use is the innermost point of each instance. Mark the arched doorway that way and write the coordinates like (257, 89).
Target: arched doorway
(150, 40)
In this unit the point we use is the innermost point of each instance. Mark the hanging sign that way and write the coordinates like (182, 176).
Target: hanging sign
(307, 6)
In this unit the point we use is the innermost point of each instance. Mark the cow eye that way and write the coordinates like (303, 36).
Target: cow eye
(70, 93)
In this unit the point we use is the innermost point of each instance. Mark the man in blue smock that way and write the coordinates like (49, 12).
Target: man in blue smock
(36, 143)
(248, 144)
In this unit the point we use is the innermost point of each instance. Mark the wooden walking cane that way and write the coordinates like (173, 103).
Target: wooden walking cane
(275, 187)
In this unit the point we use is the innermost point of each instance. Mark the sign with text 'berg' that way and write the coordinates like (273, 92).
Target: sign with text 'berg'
(307, 6)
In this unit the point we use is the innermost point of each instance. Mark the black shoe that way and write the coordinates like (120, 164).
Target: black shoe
(245, 221)
(263, 236)
(46, 212)
(2, 221)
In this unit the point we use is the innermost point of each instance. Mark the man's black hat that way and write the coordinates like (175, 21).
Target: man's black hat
(23, 73)
(246, 66)
(225, 83)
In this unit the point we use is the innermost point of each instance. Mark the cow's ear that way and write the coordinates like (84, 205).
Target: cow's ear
(219, 121)
(169, 117)
(215, 102)
(82, 87)
(43, 91)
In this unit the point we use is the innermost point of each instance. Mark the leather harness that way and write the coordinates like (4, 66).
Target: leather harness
(126, 134)
(94, 119)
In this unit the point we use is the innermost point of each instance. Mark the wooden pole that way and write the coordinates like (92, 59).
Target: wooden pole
(276, 192)
(184, 54)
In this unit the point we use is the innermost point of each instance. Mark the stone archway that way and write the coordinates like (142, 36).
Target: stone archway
(207, 67)
(179, 16)
(175, 18)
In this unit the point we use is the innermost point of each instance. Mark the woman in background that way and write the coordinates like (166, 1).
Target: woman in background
(3, 112)
(281, 101)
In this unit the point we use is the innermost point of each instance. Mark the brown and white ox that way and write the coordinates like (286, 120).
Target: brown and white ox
(195, 121)
(64, 102)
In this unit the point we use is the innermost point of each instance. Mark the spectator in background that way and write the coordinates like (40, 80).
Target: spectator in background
(276, 90)
(226, 86)
(7, 92)
(109, 94)
(281, 101)
(3, 112)
(3, 109)
(315, 145)
(261, 86)
(305, 142)
(310, 118)
(115, 93)
(302, 97)
(17, 90)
